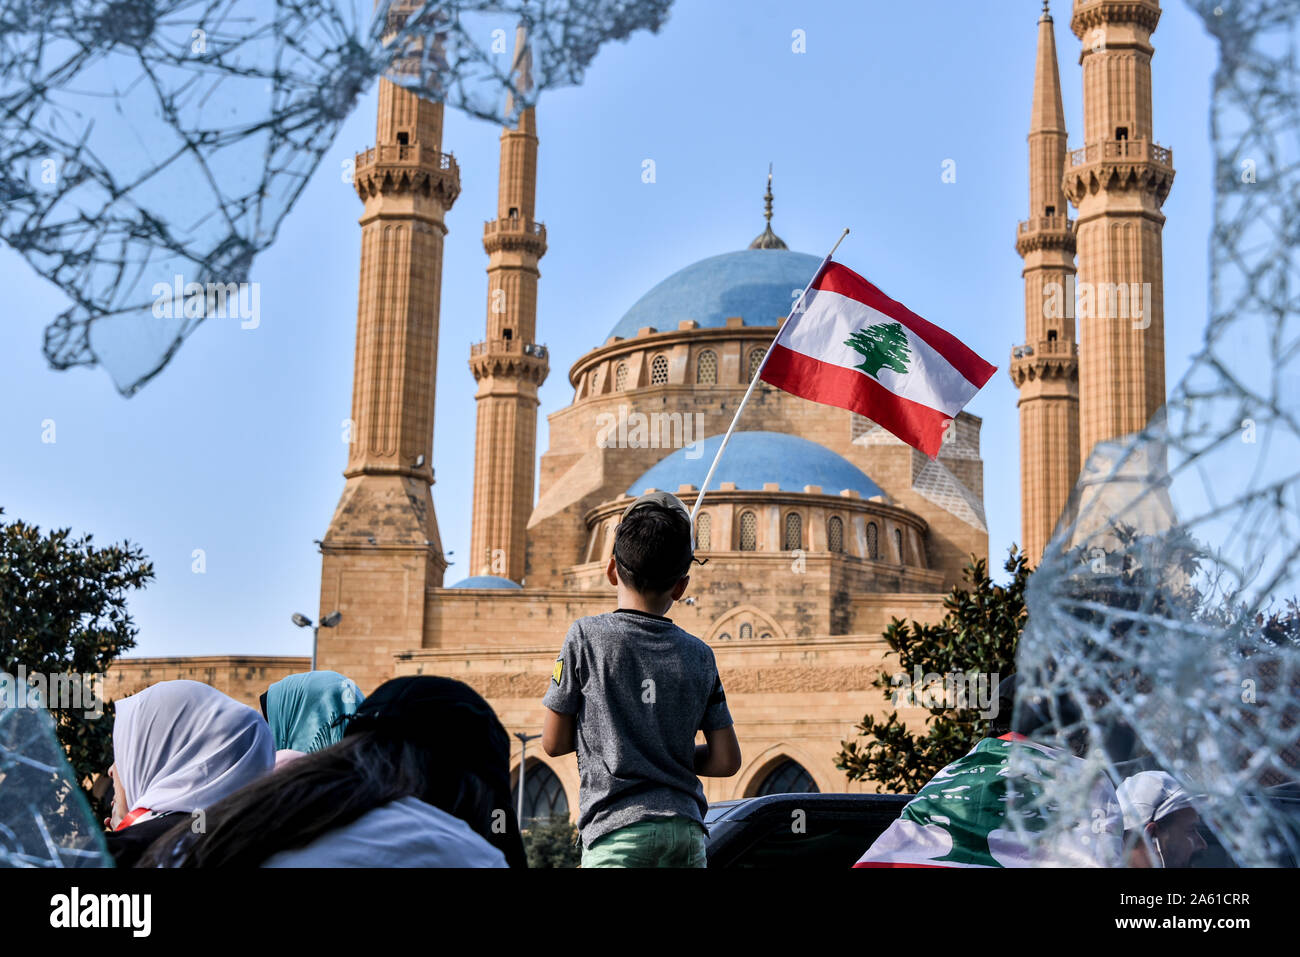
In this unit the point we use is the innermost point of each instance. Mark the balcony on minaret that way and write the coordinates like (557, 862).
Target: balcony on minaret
(509, 358)
(515, 233)
(1119, 163)
(1045, 359)
(1054, 231)
(407, 166)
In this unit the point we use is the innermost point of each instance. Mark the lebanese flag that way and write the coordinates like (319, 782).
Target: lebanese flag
(851, 346)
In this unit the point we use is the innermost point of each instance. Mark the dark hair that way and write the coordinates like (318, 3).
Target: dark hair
(329, 789)
(652, 547)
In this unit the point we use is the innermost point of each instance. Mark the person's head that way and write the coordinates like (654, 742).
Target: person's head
(183, 745)
(653, 550)
(306, 711)
(1161, 826)
(419, 736)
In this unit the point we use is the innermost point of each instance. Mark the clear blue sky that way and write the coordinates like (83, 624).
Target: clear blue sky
(236, 448)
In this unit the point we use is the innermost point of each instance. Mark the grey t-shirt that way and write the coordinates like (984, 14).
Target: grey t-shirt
(641, 687)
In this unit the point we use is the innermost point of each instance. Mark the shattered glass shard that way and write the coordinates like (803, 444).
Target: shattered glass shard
(1161, 631)
(44, 818)
(149, 139)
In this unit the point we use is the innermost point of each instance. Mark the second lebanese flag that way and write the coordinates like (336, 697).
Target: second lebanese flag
(851, 346)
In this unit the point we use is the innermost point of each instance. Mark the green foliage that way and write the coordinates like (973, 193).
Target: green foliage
(881, 345)
(977, 635)
(552, 842)
(63, 611)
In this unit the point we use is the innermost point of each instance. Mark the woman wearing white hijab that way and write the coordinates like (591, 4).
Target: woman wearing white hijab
(178, 747)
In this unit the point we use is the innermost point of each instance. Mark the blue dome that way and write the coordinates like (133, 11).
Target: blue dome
(753, 458)
(486, 581)
(755, 284)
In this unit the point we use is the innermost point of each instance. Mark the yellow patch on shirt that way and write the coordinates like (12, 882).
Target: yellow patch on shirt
(558, 671)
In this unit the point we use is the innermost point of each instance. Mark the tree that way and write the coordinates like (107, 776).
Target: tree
(881, 345)
(977, 636)
(63, 613)
(552, 842)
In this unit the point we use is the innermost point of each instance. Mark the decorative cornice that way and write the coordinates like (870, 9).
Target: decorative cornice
(1045, 233)
(1091, 14)
(1037, 367)
(396, 168)
(756, 335)
(509, 365)
(515, 235)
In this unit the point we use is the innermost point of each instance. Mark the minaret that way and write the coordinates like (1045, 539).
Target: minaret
(1118, 181)
(508, 365)
(1046, 368)
(382, 550)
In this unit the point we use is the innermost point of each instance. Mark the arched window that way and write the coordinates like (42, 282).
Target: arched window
(873, 542)
(793, 532)
(898, 545)
(706, 368)
(659, 370)
(543, 794)
(755, 360)
(748, 532)
(746, 631)
(620, 377)
(835, 534)
(704, 531)
(788, 777)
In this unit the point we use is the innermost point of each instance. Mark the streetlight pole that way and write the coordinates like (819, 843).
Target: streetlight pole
(329, 621)
(524, 738)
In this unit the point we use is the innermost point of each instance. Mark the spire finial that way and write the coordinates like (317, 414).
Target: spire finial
(1047, 14)
(767, 197)
(768, 239)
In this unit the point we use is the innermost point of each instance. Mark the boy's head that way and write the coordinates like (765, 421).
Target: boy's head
(652, 544)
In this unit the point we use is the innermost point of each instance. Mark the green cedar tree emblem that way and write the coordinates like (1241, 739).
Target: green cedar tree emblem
(881, 345)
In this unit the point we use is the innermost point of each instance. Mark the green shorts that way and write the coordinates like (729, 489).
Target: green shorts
(655, 842)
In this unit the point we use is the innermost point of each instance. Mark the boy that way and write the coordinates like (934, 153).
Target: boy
(628, 693)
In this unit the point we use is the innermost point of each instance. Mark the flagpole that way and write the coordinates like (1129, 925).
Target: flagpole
(794, 311)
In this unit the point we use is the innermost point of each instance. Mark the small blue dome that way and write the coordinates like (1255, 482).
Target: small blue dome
(486, 581)
(753, 458)
(759, 285)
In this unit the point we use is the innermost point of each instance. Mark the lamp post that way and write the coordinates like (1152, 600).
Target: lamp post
(329, 621)
(524, 738)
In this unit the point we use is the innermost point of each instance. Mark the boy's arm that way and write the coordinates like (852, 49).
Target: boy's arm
(558, 734)
(719, 755)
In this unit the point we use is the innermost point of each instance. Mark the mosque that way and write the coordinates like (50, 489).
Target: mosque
(818, 528)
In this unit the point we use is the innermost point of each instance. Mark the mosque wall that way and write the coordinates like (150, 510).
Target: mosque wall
(796, 699)
(243, 677)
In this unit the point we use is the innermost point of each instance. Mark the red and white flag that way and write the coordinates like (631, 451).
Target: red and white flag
(850, 345)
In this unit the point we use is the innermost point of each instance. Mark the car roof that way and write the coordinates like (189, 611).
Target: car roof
(739, 809)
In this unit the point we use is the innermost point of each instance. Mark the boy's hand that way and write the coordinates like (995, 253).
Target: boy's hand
(719, 755)
(559, 733)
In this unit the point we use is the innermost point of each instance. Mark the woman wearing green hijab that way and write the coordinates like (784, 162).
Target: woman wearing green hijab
(306, 711)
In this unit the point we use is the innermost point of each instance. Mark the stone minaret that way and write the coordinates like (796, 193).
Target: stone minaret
(508, 365)
(382, 550)
(1118, 181)
(1046, 368)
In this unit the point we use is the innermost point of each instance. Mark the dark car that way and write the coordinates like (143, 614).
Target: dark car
(798, 830)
